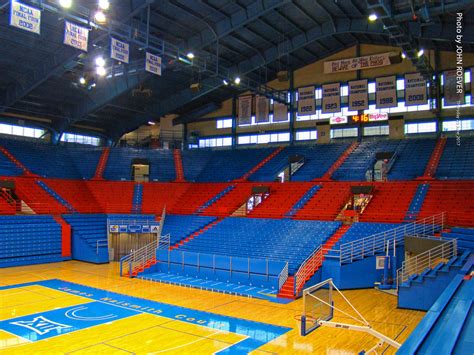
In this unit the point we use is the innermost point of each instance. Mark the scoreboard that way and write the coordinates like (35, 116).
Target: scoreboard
(369, 117)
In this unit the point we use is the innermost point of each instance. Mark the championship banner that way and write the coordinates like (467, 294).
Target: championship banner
(245, 109)
(280, 112)
(331, 101)
(153, 64)
(358, 63)
(119, 50)
(415, 90)
(358, 95)
(25, 17)
(306, 101)
(262, 109)
(76, 36)
(453, 94)
(386, 92)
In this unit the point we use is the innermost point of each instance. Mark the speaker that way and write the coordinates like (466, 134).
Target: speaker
(395, 58)
(195, 87)
(282, 75)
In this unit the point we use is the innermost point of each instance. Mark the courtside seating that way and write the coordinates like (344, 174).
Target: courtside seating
(120, 160)
(318, 159)
(412, 157)
(361, 230)
(283, 240)
(43, 158)
(28, 240)
(457, 161)
(223, 165)
(362, 159)
(390, 202)
(454, 197)
(180, 227)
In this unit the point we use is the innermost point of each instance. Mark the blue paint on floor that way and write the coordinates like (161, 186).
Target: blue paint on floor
(216, 286)
(257, 333)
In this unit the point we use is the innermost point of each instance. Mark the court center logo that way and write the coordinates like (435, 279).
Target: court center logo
(41, 325)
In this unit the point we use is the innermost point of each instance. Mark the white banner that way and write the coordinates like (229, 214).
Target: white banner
(25, 17)
(153, 63)
(306, 101)
(386, 92)
(338, 120)
(262, 109)
(76, 36)
(119, 50)
(351, 64)
(453, 93)
(280, 112)
(415, 90)
(331, 101)
(245, 109)
(358, 95)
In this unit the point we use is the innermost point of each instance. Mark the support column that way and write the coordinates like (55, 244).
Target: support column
(234, 121)
(360, 128)
(437, 93)
(185, 136)
(292, 107)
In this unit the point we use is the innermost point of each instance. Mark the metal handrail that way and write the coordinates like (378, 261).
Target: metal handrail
(376, 243)
(309, 266)
(426, 260)
(283, 277)
(100, 243)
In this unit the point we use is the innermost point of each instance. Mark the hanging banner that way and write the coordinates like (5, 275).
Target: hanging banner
(76, 36)
(306, 101)
(351, 64)
(119, 50)
(331, 101)
(262, 109)
(358, 95)
(453, 87)
(386, 92)
(245, 109)
(153, 63)
(280, 112)
(25, 17)
(416, 92)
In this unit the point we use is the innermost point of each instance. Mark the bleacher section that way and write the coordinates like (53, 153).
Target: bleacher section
(282, 240)
(7, 167)
(411, 160)
(390, 202)
(120, 161)
(157, 196)
(56, 196)
(89, 237)
(455, 197)
(282, 197)
(181, 227)
(112, 196)
(464, 236)
(303, 200)
(195, 197)
(77, 193)
(318, 159)
(457, 161)
(85, 159)
(26, 240)
(416, 202)
(448, 326)
(230, 202)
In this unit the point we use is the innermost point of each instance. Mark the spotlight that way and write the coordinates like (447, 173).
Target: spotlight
(104, 4)
(82, 80)
(237, 80)
(190, 55)
(373, 17)
(403, 55)
(151, 123)
(420, 52)
(65, 3)
(100, 17)
(100, 61)
(225, 82)
(100, 71)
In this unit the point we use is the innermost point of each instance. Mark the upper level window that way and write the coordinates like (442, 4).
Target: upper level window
(80, 139)
(224, 123)
(21, 131)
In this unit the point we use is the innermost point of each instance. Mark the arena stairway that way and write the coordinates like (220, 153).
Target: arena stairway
(196, 233)
(15, 161)
(214, 199)
(137, 199)
(178, 165)
(231, 202)
(56, 196)
(434, 159)
(302, 201)
(464, 236)
(421, 290)
(104, 157)
(416, 203)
